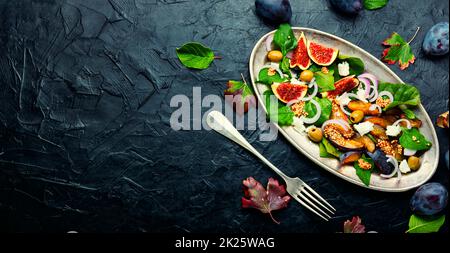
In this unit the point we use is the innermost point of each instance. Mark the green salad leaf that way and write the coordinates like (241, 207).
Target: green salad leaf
(195, 55)
(265, 78)
(364, 175)
(374, 4)
(328, 150)
(325, 105)
(285, 39)
(240, 87)
(285, 66)
(314, 67)
(409, 113)
(422, 225)
(280, 113)
(356, 64)
(325, 81)
(413, 139)
(404, 94)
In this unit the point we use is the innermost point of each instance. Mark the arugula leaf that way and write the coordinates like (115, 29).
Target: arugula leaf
(285, 66)
(364, 175)
(374, 4)
(404, 94)
(325, 105)
(398, 51)
(280, 113)
(413, 139)
(330, 149)
(421, 225)
(356, 64)
(285, 39)
(325, 81)
(264, 78)
(195, 55)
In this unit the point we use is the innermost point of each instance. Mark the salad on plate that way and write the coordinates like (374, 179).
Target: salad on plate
(343, 107)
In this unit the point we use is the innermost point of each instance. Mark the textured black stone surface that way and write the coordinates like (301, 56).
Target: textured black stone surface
(85, 139)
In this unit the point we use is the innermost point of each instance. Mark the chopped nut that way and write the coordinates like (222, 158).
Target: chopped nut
(364, 165)
(271, 72)
(414, 138)
(324, 70)
(383, 102)
(386, 147)
(298, 109)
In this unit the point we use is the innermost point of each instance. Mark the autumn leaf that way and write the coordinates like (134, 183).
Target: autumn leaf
(354, 226)
(240, 95)
(398, 50)
(274, 198)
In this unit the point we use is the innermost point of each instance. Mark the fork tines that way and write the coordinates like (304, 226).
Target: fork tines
(314, 202)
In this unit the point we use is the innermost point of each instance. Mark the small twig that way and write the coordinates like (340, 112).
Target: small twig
(415, 34)
(243, 79)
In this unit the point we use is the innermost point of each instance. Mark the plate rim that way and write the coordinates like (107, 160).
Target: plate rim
(312, 158)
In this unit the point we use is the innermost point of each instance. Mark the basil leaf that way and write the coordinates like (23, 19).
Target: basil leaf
(330, 149)
(325, 105)
(422, 225)
(404, 94)
(280, 113)
(374, 4)
(413, 139)
(356, 64)
(364, 175)
(325, 81)
(285, 66)
(194, 55)
(285, 39)
(264, 77)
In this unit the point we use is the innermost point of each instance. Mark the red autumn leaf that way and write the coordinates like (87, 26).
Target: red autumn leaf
(240, 95)
(354, 226)
(398, 51)
(274, 198)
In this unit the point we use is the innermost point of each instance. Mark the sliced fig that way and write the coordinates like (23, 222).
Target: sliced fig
(349, 157)
(343, 85)
(287, 92)
(358, 105)
(300, 57)
(378, 121)
(379, 133)
(368, 143)
(337, 113)
(380, 161)
(336, 136)
(320, 54)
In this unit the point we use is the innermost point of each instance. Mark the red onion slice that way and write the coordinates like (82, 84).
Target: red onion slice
(375, 106)
(409, 152)
(366, 83)
(373, 98)
(316, 117)
(371, 77)
(339, 122)
(289, 54)
(408, 124)
(387, 94)
(268, 42)
(314, 93)
(273, 66)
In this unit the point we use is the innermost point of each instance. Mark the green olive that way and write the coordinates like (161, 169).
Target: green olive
(356, 116)
(315, 134)
(274, 56)
(414, 163)
(306, 75)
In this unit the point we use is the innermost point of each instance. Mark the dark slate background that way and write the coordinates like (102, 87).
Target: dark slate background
(86, 143)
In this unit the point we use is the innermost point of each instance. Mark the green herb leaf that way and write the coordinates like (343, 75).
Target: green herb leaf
(325, 81)
(356, 64)
(398, 51)
(421, 225)
(195, 55)
(239, 88)
(374, 4)
(413, 139)
(264, 77)
(285, 66)
(409, 113)
(323, 151)
(364, 175)
(404, 94)
(330, 149)
(314, 67)
(325, 105)
(280, 113)
(285, 39)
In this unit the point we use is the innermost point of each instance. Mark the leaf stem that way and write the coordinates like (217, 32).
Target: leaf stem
(243, 79)
(415, 34)
(217, 57)
(277, 222)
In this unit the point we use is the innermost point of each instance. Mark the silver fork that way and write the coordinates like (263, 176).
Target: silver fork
(298, 189)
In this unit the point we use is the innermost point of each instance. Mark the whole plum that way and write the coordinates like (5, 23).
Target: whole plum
(274, 11)
(429, 199)
(436, 40)
(349, 7)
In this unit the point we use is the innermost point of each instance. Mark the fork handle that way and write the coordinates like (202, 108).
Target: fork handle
(222, 125)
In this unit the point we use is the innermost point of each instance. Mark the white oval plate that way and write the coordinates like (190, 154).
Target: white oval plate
(429, 161)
